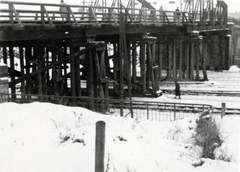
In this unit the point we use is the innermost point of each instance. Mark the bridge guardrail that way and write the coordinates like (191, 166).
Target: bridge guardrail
(36, 14)
(156, 111)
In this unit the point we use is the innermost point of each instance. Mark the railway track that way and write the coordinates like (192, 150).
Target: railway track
(206, 92)
(139, 107)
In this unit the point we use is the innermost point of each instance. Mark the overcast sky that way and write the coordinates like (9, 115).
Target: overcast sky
(233, 5)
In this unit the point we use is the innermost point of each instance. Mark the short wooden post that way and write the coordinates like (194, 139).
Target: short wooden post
(147, 111)
(174, 111)
(100, 146)
(223, 110)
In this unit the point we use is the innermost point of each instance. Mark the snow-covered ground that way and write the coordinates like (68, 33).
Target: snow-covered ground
(43, 137)
(225, 81)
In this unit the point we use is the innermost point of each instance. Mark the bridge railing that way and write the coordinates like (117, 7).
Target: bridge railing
(157, 111)
(31, 14)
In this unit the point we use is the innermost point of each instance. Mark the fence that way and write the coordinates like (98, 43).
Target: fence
(150, 110)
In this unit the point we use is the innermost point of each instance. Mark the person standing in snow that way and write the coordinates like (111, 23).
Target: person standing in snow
(177, 90)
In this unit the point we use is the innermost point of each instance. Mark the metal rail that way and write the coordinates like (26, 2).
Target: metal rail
(206, 92)
(157, 111)
(150, 110)
(24, 14)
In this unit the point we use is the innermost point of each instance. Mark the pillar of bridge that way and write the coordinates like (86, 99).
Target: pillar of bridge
(235, 42)
(12, 69)
(187, 68)
(169, 59)
(177, 59)
(3, 82)
(97, 81)
(143, 76)
(227, 51)
(160, 54)
(148, 66)
(192, 59)
(152, 67)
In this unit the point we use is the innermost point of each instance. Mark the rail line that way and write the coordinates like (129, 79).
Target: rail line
(206, 92)
(149, 110)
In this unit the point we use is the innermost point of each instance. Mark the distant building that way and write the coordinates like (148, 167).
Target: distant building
(169, 5)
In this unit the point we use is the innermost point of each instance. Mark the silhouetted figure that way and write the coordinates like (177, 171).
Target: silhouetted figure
(177, 90)
(177, 15)
(64, 11)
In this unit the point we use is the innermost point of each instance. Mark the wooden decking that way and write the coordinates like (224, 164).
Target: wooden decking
(48, 18)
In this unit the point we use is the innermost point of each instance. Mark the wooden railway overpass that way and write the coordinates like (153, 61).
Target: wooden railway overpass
(89, 50)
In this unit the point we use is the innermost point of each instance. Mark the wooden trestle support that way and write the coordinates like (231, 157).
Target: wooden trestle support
(90, 70)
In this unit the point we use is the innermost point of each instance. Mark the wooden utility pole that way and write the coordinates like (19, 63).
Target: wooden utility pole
(124, 61)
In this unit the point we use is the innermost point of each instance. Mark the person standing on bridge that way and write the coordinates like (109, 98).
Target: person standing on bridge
(64, 11)
(177, 15)
(177, 90)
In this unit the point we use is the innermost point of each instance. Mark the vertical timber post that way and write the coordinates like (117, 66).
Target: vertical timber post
(77, 73)
(21, 56)
(5, 55)
(160, 57)
(143, 67)
(155, 68)
(39, 54)
(73, 76)
(65, 70)
(121, 55)
(54, 71)
(60, 73)
(174, 61)
(204, 54)
(116, 68)
(192, 61)
(28, 57)
(90, 79)
(227, 52)
(4, 88)
(12, 70)
(148, 70)
(180, 59)
(187, 59)
(134, 62)
(169, 61)
(100, 146)
(197, 60)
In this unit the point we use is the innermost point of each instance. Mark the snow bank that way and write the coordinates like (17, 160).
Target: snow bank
(234, 68)
(2, 64)
(43, 137)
